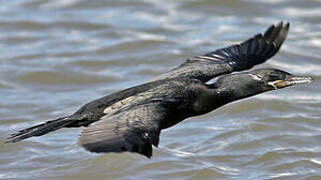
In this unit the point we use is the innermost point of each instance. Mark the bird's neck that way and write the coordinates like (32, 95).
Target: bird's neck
(213, 98)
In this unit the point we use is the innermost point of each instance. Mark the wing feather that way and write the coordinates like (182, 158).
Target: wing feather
(133, 130)
(238, 57)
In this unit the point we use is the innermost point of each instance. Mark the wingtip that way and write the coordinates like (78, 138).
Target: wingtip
(277, 32)
(287, 26)
(283, 25)
(280, 24)
(277, 27)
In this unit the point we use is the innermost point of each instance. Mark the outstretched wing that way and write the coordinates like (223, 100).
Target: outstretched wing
(238, 57)
(133, 130)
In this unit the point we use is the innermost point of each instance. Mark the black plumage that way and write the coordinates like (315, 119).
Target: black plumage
(132, 119)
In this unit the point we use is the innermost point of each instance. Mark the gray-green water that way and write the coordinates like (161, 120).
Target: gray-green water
(57, 55)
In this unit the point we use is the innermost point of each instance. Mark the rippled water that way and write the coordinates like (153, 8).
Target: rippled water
(57, 55)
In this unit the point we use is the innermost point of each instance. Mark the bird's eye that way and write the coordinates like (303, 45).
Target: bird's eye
(273, 77)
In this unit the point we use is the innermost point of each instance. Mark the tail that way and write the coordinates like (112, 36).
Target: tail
(40, 129)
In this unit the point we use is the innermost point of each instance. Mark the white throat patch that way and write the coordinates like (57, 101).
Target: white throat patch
(256, 77)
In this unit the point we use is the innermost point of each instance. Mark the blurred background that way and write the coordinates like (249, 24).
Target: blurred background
(55, 56)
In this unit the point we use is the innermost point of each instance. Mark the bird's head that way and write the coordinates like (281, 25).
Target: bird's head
(247, 84)
(272, 79)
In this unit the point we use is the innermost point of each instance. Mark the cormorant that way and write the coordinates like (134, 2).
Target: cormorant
(132, 119)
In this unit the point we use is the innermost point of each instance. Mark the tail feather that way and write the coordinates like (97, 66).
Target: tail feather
(40, 129)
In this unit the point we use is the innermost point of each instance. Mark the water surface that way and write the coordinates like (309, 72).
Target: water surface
(57, 55)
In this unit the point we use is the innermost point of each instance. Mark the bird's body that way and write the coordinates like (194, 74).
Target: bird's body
(132, 119)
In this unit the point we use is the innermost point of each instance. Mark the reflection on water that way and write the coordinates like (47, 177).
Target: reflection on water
(58, 55)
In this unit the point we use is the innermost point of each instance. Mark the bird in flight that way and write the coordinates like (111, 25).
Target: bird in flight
(132, 119)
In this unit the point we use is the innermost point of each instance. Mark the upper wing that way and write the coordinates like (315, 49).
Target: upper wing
(133, 130)
(238, 57)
